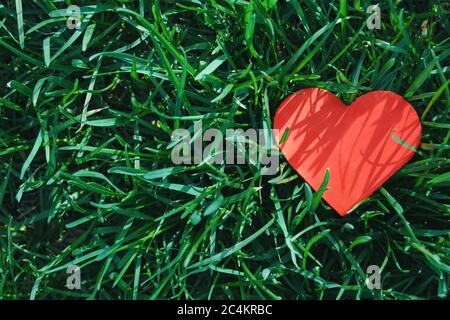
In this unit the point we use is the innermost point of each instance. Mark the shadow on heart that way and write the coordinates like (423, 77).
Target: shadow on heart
(355, 142)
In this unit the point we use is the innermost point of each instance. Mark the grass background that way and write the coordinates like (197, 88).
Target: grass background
(86, 117)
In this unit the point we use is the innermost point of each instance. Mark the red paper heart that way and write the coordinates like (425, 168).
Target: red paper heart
(355, 142)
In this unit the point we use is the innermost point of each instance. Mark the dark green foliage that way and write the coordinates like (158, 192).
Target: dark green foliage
(80, 187)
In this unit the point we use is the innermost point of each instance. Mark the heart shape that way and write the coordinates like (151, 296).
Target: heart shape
(361, 144)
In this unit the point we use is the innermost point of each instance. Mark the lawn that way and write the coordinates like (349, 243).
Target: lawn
(87, 177)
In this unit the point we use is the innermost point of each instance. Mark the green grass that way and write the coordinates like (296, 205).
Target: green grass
(80, 187)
